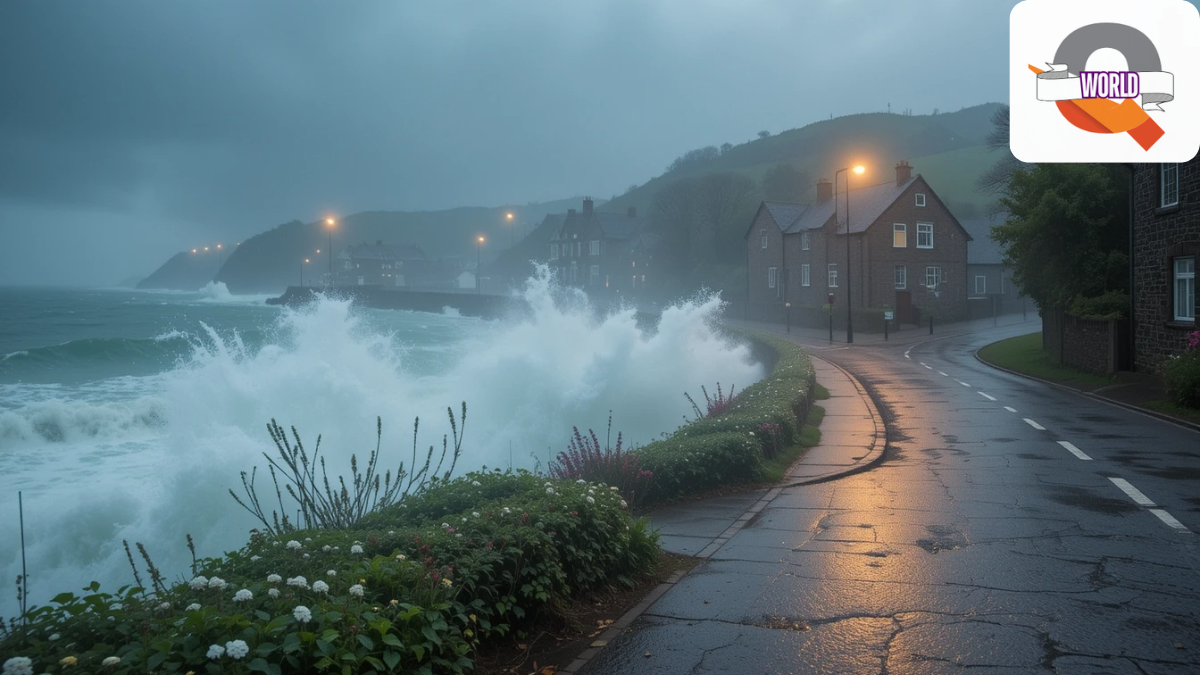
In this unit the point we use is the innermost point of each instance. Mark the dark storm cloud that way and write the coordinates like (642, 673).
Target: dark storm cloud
(167, 124)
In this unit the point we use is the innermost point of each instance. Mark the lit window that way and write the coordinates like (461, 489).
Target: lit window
(1185, 289)
(805, 275)
(920, 199)
(804, 243)
(1168, 185)
(833, 275)
(924, 235)
(933, 277)
(899, 235)
(901, 277)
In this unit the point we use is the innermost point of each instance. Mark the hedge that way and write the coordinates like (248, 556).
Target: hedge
(729, 449)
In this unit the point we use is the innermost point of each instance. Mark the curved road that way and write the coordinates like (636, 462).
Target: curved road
(1013, 528)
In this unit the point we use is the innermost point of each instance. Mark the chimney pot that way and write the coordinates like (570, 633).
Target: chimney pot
(587, 206)
(903, 172)
(824, 190)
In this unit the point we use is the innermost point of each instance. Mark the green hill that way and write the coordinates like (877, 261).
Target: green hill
(185, 271)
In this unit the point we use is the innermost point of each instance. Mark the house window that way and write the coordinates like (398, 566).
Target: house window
(832, 275)
(594, 276)
(924, 235)
(763, 238)
(554, 251)
(594, 247)
(804, 243)
(920, 199)
(901, 277)
(1185, 288)
(805, 275)
(899, 235)
(980, 284)
(1168, 185)
(771, 274)
(933, 277)
(578, 249)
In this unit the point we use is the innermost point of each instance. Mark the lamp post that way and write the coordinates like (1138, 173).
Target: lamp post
(788, 307)
(330, 223)
(512, 229)
(849, 301)
(302, 272)
(478, 268)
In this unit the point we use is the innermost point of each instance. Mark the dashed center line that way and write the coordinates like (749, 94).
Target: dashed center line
(1010, 408)
(1074, 450)
(942, 374)
(990, 398)
(1033, 424)
(927, 367)
(1170, 520)
(962, 383)
(1134, 493)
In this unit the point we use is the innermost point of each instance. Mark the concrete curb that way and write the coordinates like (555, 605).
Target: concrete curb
(1190, 426)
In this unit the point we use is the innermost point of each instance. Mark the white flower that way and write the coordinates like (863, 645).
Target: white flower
(464, 520)
(549, 490)
(18, 665)
(476, 483)
(327, 548)
(165, 606)
(117, 605)
(255, 558)
(237, 649)
(331, 573)
(54, 637)
(294, 545)
(243, 595)
(274, 578)
(302, 614)
(475, 513)
(445, 525)
(401, 557)
(337, 548)
(356, 590)
(199, 583)
(275, 543)
(274, 592)
(623, 504)
(612, 489)
(581, 481)
(308, 539)
(217, 583)
(305, 555)
(111, 661)
(298, 582)
(356, 549)
(192, 607)
(391, 532)
(591, 500)
(320, 587)
(458, 534)
(215, 652)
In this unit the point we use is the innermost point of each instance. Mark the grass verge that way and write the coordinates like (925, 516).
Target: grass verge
(1167, 408)
(775, 469)
(1023, 354)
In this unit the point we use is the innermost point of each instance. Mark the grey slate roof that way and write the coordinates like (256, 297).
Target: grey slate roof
(785, 213)
(983, 250)
(866, 205)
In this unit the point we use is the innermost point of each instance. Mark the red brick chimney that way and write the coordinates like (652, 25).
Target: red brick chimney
(824, 190)
(903, 172)
(587, 207)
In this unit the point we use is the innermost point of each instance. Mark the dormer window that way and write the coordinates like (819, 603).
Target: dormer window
(920, 199)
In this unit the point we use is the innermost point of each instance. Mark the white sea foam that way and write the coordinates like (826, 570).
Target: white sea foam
(216, 292)
(157, 464)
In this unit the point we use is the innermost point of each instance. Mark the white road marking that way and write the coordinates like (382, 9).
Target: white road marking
(1134, 493)
(906, 353)
(1035, 425)
(942, 374)
(1010, 409)
(990, 398)
(1170, 520)
(927, 367)
(1074, 450)
(962, 383)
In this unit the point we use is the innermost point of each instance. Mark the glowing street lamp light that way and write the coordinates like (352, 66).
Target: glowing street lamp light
(478, 268)
(302, 272)
(512, 231)
(330, 223)
(849, 302)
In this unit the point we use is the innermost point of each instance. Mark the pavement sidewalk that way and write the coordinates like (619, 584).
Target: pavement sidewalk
(853, 437)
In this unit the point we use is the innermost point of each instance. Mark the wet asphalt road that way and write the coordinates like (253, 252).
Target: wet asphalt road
(983, 544)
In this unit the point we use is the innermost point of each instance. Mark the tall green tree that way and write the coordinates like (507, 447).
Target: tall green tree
(1066, 236)
(785, 183)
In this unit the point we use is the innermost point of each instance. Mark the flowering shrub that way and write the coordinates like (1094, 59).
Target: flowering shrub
(585, 459)
(1182, 374)
(714, 405)
(419, 597)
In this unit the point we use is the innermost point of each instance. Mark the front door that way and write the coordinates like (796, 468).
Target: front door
(904, 307)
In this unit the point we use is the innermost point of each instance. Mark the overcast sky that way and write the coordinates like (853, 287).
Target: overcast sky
(132, 130)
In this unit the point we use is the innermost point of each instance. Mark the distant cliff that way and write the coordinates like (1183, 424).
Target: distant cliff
(185, 271)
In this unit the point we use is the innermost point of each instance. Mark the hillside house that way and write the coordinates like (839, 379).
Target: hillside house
(603, 253)
(1166, 247)
(380, 264)
(907, 253)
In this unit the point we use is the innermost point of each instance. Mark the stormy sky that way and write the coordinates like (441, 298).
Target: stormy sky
(132, 130)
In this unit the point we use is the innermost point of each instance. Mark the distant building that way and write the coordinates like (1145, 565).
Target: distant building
(907, 252)
(986, 274)
(380, 264)
(603, 252)
(1166, 247)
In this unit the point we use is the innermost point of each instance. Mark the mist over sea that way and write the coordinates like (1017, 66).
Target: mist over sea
(129, 414)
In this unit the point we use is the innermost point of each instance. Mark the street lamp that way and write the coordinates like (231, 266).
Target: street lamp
(512, 231)
(849, 303)
(330, 223)
(302, 272)
(478, 268)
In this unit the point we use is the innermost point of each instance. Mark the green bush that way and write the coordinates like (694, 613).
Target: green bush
(405, 591)
(1182, 374)
(1111, 305)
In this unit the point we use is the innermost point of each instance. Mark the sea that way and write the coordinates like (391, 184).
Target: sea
(129, 415)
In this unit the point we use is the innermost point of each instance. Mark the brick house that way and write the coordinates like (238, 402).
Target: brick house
(907, 252)
(381, 264)
(1166, 247)
(603, 252)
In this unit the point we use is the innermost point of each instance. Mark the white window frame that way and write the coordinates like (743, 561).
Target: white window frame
(900, 277)
(805, 275)
(933, 272)
(1184, 287)
(1168, 185)
(593, 275)
(804, 241)
(763, 234)
(832, 280)
(594, 247)
(920, 199)
(772, 277)
(980, 284)
(928, 229)
(899, 235)
(554, 251)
